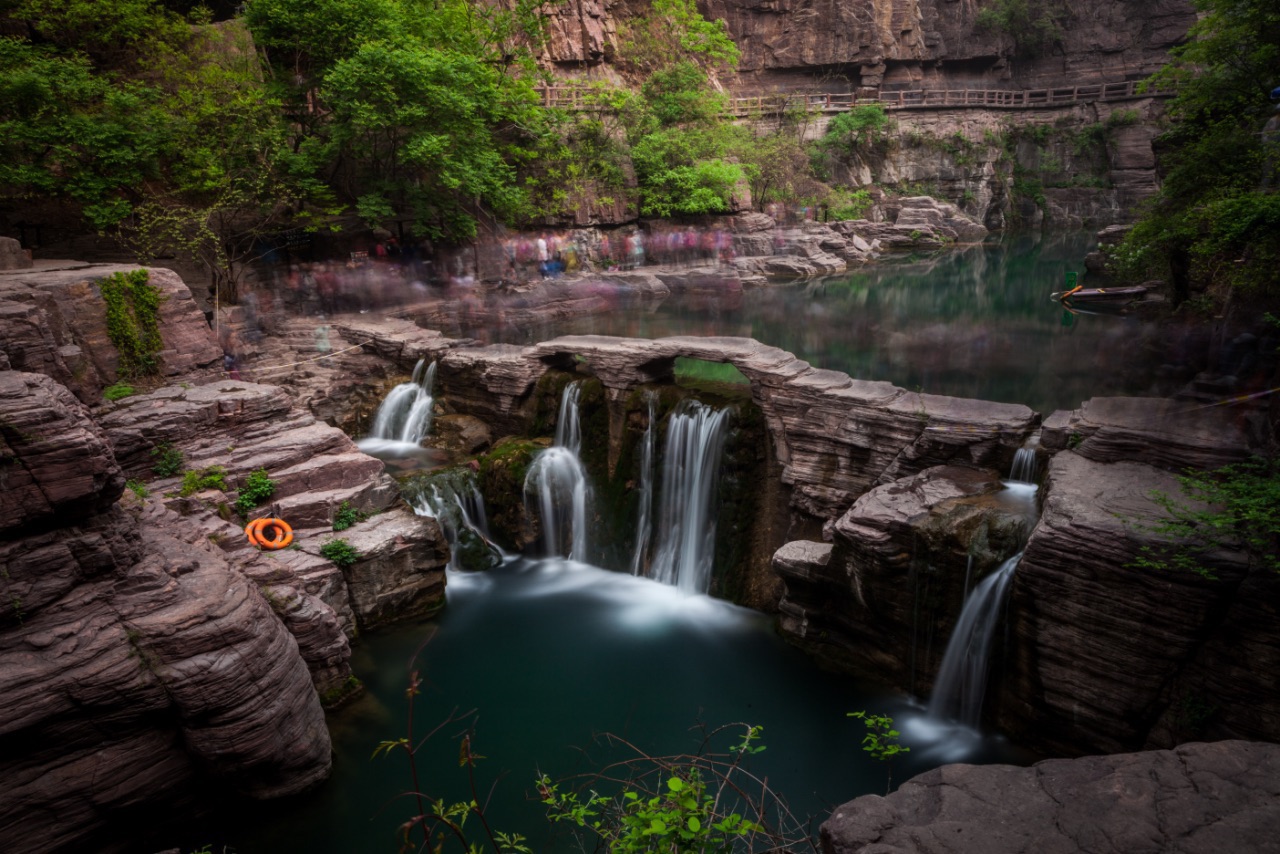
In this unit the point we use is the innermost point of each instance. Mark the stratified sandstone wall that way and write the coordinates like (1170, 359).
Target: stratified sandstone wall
(132, 663)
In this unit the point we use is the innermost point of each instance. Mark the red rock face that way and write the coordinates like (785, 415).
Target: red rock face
(844, 44)
(132, 662)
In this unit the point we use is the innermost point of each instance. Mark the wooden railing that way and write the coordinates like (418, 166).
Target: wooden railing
(575, 98)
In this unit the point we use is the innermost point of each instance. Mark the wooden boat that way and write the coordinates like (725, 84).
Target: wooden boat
(1099, 295)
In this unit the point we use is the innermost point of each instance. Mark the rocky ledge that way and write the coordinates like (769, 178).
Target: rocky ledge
(1195, 799)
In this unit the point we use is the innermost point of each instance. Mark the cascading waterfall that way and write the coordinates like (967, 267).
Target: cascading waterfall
(687, 513)
(462, 519)
(1024, 466)
(643, 521)
(405, 414)
(961, 685)
(558, 480)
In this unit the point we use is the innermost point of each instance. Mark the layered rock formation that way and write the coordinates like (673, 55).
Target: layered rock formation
(1202, 798)
(1109, 654)
(883, 598)
(134, 664)
(145, 648)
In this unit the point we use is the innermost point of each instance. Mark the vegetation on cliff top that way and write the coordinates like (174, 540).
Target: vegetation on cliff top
(1216, 222)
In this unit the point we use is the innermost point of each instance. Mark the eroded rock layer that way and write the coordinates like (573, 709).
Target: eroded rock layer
(1201, 798)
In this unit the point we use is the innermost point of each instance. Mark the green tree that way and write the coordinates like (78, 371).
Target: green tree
(1216, 219)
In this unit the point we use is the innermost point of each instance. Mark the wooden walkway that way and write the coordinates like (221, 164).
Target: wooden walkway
(577, 98)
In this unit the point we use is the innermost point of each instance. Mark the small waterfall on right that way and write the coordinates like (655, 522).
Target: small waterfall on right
(961, 686)
(405, 413)
(687, 515)
(558, 480)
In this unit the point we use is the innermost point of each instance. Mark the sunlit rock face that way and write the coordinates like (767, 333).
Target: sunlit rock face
(1195, 798)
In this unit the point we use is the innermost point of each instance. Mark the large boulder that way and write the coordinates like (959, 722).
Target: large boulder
(1195, 799)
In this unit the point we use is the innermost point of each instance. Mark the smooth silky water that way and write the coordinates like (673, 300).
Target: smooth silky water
(551, 653)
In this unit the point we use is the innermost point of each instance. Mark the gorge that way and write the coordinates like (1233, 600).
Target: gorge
(644, 383)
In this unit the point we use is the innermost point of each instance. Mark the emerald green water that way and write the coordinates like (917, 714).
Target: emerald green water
(550, 654)
(972, 322)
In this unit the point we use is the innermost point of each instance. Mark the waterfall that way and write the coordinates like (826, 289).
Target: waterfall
(558, 480)
(1024, 466)
(959, 690)
(687, 513)
(461, 517)
(405, 414)
(643, 523)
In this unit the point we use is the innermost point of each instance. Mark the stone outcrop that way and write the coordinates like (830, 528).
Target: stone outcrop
(882, 600)
(1171, 434)
(54, 323)
(246, 427)
(134, 664)
(12, 255)
(1109, 654)
(146, 650)
(1195, 799)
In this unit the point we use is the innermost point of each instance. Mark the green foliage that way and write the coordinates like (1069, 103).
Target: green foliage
(679, 804)
(856, 132)
(196, 480)
(346, 516)
(168, 460)
(1211, 225)
(118, 391)
(137, 487)
(1231, 507)
(257, 488)
(1029, 23)
(674, 31)
(848, 204)
(133, 310)
(340, 552)
(881, 740)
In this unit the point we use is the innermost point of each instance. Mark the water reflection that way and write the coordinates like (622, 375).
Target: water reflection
(974, 322)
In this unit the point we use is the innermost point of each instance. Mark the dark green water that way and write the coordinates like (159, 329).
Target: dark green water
(974, 322)
(551, 654)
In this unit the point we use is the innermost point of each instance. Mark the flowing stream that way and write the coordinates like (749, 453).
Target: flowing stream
(559, 483)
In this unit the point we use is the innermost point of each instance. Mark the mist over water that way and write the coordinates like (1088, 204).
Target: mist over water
(551, 653)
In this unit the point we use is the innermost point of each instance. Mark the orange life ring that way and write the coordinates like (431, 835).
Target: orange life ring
(281, 536)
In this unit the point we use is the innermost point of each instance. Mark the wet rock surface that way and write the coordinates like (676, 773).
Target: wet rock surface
(1202, 798)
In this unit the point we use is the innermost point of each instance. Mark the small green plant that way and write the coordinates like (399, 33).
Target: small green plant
(118, 391)
(346, 516)
(1074, 440)
(694, 803)
(340, 552)
(137, 487)
(1231, 507)
(197, 480)
(257, 488)
(168, 460)
(881, 741)
(133, 312)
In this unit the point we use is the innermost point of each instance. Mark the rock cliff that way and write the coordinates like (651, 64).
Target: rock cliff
(134, 664)
(146, 650)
